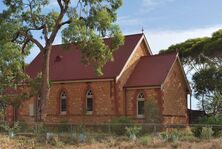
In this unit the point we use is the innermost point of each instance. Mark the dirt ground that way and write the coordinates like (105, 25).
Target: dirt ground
(112, 143)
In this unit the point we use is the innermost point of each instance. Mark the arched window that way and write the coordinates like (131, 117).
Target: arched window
(63, 103)
(140, 105)
(89, 102)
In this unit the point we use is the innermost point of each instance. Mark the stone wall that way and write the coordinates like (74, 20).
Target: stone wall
(140, 51)
(175, 97)
(150, 94)
(103, 102)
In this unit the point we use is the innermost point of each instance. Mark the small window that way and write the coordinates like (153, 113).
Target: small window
(140, 105)
(89, 102)
(63, 104)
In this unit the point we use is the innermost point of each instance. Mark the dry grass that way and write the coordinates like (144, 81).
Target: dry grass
(21, 142)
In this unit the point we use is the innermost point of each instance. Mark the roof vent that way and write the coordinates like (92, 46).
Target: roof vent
(58, 58)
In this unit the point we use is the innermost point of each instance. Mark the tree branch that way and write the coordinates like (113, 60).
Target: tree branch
(29, 37)
(24, 45)
(60, 4)
(59, 19)
(36, 28)
(66, 22)
(45, 32)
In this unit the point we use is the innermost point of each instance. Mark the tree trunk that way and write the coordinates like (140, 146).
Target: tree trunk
(45, 89)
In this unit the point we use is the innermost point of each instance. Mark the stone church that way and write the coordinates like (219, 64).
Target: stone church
(78, 95)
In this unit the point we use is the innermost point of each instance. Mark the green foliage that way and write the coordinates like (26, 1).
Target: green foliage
(64, 126)
(133, 131)
(191, 49)
(23, 126)
(196, 131)
(40, 128)
(84, 23)
(152, 112)
(119, 124)
(214, 120)
(11, 128)
(172, 136)
(207, 80)
(206, 133)
(145, 140)
(203, 57)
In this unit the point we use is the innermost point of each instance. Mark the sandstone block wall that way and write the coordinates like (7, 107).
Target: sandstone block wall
(175, 97)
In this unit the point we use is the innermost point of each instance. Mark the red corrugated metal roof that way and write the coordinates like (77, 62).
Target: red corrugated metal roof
(151, 70)
(65, 64)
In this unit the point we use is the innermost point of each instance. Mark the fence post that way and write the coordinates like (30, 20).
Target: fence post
(109, 127)
(155, 129)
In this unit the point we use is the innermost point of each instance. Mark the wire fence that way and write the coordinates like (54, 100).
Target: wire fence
(82, 132)
(109, 128)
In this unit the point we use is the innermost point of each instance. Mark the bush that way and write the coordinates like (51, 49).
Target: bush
(11, 129)
(145, 140)
(212, 120)
(64, 126)
(187, 136)
(206, 133)
(172, 136)
(118, 125)
(196, 131)
(40, 128)
(23, 126)
(133, 131)
(152, 112)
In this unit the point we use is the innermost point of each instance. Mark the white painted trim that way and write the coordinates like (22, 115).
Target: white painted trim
(79, 81)
(130, 57)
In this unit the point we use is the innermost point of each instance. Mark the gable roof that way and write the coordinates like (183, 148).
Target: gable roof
(151, 70)
(66, 65)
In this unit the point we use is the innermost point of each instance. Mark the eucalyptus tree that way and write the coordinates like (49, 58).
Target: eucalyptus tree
(82, 22)
(203, 57)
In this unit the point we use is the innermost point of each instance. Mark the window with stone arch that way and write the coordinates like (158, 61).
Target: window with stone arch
(63, 103)
(140, 105)
(89, 102)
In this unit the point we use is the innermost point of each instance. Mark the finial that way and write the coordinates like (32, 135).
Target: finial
(142, 30)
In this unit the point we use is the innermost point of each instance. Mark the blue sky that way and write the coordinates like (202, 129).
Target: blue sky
(165, 22)
(168, 22)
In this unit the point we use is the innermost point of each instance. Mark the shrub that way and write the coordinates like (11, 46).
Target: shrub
(64, 126)
(11, 129)
(133, 131)
(145, 140)
(152, 115)
(40, 128)
(152, 112)
(196, 131)
(23, 126)
(212, 120)
(187, 136)
(172, 136)
(206, 133)
(118, 125)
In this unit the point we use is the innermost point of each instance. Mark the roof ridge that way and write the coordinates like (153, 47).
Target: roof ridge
(60, 44)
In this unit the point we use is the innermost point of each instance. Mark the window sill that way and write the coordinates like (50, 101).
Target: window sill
(140, 116)
(89, 113)
(63, 113)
